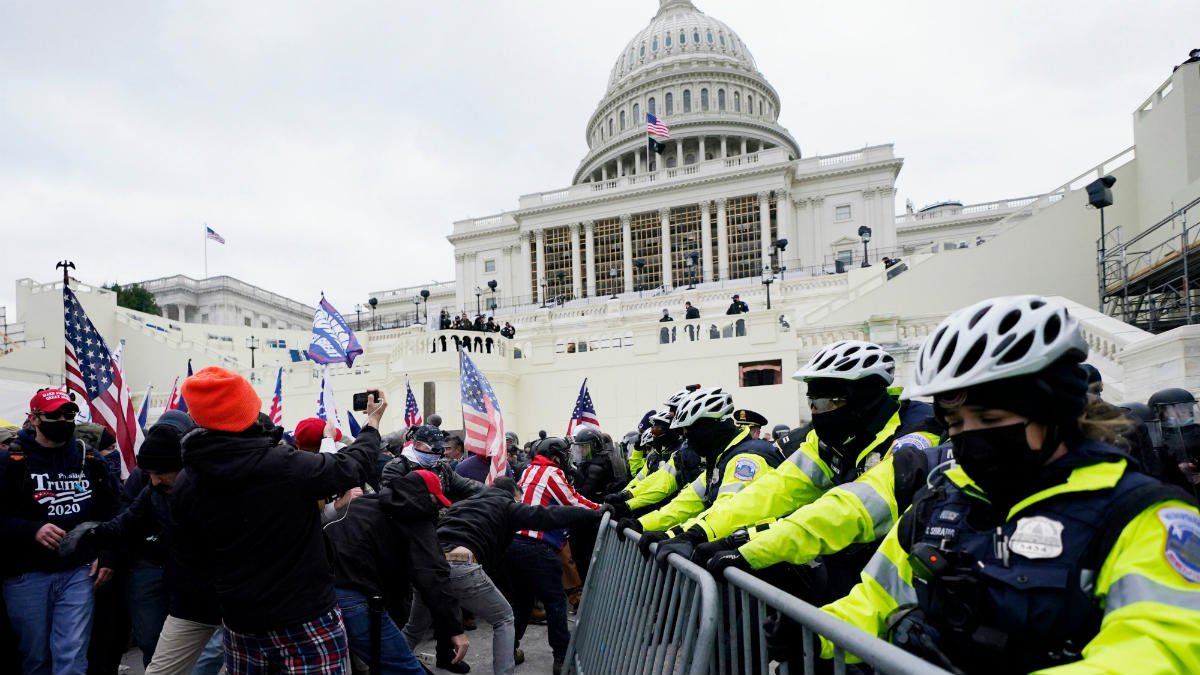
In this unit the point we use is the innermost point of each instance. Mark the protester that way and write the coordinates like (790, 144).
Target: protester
(508, 331)
(454, 452)
(244, 508)
(49, 596)
(690, 312)
(427, 452)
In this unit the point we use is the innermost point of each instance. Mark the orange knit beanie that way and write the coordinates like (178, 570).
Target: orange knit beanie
(221, 399)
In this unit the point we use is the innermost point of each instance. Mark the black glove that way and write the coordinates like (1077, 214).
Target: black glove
(683, 543)
(650, 538)
(605, 508)
(705, 552)
(621, 509)
(716, 566)
(631, 523)
(621, 496)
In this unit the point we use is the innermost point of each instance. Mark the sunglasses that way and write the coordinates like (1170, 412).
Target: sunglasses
(824, 404)
(56, 416)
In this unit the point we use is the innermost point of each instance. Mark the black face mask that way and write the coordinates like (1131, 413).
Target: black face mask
(837, 426)
(57, 432)
(1000, 461)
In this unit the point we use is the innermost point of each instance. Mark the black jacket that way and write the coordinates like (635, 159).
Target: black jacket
(386, 543)
(246, 513)
(485, 523)
(38, 485)
(455, 486)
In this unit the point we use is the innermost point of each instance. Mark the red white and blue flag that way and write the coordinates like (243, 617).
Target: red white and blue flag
(276, 413)
(181, 404)
(144, 413)
(656, 127)
(584, 412)
(332, 340)
(173, 399)
(212, 234)
(412, 414)
(482, 420)
(96, 375)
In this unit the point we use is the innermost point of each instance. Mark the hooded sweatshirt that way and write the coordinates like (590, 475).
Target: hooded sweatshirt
(64, 486)
(245, 517)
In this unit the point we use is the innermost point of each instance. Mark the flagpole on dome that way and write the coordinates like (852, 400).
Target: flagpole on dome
(205, 249)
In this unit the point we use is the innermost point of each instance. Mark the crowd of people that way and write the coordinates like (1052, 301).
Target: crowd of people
(1010, 521)
(447, 321)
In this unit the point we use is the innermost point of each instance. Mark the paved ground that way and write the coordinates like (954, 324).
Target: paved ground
(538, 658)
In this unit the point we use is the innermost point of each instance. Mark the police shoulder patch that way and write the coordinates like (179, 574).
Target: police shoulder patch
(745, 469)
(1182, 550)
(914, 440)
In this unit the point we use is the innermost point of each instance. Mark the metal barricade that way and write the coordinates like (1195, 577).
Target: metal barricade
(635, 617)
(742, 646)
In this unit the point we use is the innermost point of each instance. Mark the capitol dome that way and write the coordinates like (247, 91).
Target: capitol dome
(696, 75)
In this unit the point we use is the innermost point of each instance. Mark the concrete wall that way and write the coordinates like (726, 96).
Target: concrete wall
(1167, 136)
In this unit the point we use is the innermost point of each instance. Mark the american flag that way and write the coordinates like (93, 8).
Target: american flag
(96, 375)
(173, 399)
(412, 414)
(212, 234)
(276, 413)
(656, 127)
(481, 418)
(584, 412)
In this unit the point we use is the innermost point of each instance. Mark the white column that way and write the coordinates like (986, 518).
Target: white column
(764, 227)
(460, 279)
(576, 286)
(724, 147)
(524, 277)
(637, 162)
(820, 244)
(722, 241)
(784, 215)
(701, 157)
(627, 250)
(604, 171)
(743, 146)
(705, 242)
(664, 215)
(541, 266)
(589, 234)
(678, 152)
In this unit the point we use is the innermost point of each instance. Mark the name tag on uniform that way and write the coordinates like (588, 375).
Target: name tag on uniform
(1036, 538)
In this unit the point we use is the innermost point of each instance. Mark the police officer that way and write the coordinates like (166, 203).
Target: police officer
(1175, 410)
(598, 469)
(1043, 545)
(732, 459)
(857, 423)
(670, 464)
(750, 419)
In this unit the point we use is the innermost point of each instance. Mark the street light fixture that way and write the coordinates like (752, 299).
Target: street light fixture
(425, 301)
(543, 292)
(252, 343)
(865, 233)
(478, 292)
(358, 321)
(612, 281)
(416, 310)
(777, 248)
(1100, 195)
(768, 276)
(373, 302)
(640, 264)
(492, 285)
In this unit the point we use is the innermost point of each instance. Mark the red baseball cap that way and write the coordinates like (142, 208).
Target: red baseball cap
(309, 431)
(50, 400)
(434, 485)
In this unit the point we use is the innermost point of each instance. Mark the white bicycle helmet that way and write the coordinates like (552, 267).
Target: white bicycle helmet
(712, 403)
(672, 402)
(994, 340)
(849, 360)
(662, 418)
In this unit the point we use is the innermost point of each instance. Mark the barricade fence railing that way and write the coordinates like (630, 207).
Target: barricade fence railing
(636, 616)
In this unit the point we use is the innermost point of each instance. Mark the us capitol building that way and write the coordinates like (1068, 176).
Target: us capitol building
(731, 205)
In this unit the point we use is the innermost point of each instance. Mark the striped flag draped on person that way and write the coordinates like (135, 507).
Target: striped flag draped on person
(482, 419)
(96, 375)
(584, 412)
(412, 414)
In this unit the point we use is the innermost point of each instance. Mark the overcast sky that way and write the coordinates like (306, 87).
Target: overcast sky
(333, 144)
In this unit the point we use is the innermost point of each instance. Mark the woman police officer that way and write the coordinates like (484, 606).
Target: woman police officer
(1043, 547)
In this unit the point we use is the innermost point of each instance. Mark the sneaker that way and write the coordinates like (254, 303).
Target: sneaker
(518, 656)
(460, 668)
(538, 616)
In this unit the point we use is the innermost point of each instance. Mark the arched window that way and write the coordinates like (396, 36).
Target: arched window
(721, 99)
(642, 51)
(687, 100)
(704, 100)
(650, 106)
(669, 99)
(610, 127)
(750, 103)
(710, 37)
(637, 114)
(696, 36)
(667, 40)
(682, 38)
(654, 44)
(722, 35)
(737, 101)
(622, 120)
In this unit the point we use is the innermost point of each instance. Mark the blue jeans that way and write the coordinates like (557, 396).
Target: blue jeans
(146, 598)
(213, 656)
(535, 570)
(395, 658)
(51, 608)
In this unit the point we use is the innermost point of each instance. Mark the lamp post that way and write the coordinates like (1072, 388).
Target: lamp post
(1100, 195)
(492, 285)
(425, 301)
(612, 281)
(865, 233)
(777, 248)
(358, 321)
(416, 310)
(252, 344)
(768, 276)
(543, 284)
(692, 259)
(639, 265)
(373, 302)
(478, 292)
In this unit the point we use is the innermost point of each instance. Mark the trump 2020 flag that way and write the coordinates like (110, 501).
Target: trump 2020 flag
(276, 413)
(482, 421)
(584, 412)
(412, 414)
(332, 340)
